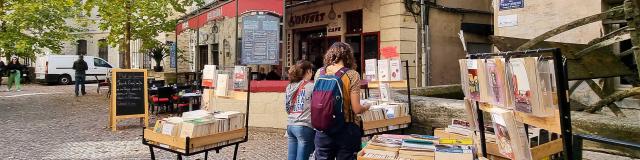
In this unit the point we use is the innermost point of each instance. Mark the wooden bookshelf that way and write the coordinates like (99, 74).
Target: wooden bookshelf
(181, 143)
(386, 122)
(393, 84)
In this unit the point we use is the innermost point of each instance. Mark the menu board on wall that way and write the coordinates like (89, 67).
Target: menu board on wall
(260, 39)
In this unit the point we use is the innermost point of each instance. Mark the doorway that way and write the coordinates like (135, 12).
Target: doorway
(313, 45)
(203, 57)
(355, 42)
(215, 54)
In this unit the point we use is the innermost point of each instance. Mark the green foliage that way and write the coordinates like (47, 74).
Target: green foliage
(27, 27)
(148, 18)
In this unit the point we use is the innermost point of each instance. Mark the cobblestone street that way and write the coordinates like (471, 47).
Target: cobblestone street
(48, 122)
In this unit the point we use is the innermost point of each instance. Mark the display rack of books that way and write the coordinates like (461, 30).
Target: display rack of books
(525, 94)
(208, 129)
(385, 114)
(416, 147)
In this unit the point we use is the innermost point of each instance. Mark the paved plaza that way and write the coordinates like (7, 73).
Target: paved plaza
(49, 122)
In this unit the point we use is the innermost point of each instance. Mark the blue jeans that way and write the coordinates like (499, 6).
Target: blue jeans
(80, 83)
(343, 145)
(300, 142)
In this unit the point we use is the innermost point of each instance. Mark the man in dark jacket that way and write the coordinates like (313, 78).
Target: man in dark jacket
(80, 66)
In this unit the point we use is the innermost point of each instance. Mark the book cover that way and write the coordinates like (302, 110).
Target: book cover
(385, 92)
(371, 70)
(503, 138)
(209, 74)
(240, 79)
(384, 70)
(472, 74)
(222, 83)
(483, 81)
(395, 67)
(510, 135)
(521, 87)
(545, 90)
(495, 75)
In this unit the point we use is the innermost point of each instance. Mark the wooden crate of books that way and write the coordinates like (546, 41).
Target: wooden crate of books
(181, 143)
(392, 84)
(386, 122)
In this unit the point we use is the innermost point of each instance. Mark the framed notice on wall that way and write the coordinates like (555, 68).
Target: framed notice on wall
(511, 4)
(260, 39)
(129, 96)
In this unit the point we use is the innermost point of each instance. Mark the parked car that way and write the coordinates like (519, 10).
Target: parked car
(52, 69)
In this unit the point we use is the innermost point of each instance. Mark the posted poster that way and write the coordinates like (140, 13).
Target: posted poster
(260, 39)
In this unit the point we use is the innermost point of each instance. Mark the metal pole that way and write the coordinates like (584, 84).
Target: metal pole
(483, 140)
(176, 50)
(426, 56)
(237, 48)
(565, 111)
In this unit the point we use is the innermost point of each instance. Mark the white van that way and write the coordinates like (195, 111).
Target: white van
(53, 69)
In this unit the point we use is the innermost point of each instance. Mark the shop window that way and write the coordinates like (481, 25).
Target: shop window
(354, 22)
(103, 49)
(370, 47)
(81, 48)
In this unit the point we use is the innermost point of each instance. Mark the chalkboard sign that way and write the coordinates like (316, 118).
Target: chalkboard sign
(260, 39)
(128, 95)
(129, 91)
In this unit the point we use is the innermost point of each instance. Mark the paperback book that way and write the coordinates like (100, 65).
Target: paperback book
(371, 70)
(472, 74)
(240, 79)
(209, 74)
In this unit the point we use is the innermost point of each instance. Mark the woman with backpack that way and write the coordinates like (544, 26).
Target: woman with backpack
(338, 137)
(298, 101)
(14, 69)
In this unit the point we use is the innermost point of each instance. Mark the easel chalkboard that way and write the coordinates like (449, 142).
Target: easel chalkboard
(129, 96)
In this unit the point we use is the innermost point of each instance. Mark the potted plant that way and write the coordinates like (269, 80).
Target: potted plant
(158, 53)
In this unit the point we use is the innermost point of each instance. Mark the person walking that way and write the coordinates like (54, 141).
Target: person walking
(297, 106)
(15, 76)
(80, 66)
(344, 143)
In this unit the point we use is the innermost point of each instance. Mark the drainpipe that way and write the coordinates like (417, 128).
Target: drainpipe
(426, 45)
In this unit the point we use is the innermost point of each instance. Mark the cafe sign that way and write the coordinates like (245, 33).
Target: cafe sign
(307, 18)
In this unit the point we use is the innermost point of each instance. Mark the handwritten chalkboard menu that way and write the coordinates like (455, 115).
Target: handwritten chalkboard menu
(260, 39)
(128, 95)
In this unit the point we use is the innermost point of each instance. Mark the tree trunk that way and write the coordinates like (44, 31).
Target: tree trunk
(127, 39)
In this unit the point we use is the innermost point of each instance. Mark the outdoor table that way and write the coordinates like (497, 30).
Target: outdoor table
(191, 96)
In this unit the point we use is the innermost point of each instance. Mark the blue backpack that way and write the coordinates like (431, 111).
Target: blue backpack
(327, 115)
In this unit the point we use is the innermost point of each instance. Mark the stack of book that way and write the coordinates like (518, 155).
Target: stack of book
(385, 112)
(201, 123)
(416, 147)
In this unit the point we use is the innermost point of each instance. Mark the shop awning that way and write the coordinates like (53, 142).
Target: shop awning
(228, 10)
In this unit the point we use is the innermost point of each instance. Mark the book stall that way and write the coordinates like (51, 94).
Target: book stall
(385, 114)
(208, 129)
(525, 93)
